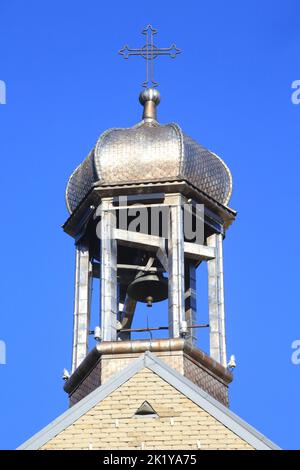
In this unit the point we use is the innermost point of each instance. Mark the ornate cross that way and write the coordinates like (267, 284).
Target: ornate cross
(150, 52)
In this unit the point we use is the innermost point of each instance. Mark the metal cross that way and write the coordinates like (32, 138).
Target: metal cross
(150, 52)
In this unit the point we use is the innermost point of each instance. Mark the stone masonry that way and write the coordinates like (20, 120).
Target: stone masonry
(181, 424)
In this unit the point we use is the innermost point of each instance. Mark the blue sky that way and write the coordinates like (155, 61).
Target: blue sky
(231, 90)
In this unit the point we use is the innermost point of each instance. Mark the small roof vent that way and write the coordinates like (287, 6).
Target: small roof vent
(145, 411)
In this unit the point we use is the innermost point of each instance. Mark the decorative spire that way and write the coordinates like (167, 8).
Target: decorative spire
(150, 52)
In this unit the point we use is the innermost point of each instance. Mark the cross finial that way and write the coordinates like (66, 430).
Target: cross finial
(150, 52)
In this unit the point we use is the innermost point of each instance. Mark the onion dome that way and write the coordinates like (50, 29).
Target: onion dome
(149, 152)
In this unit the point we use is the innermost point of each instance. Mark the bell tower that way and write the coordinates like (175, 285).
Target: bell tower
(147, 206)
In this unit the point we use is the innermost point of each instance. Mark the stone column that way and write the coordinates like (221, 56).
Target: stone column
(175, 264)
(108, 274)
(190, 300)
(83, 283)
(216, 301)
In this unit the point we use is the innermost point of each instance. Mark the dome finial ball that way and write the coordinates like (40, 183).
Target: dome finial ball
(149, 94)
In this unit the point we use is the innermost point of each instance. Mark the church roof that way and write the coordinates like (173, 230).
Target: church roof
(172, 377)
(149, 152)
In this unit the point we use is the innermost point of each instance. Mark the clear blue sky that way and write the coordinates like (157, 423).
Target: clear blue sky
(230, 90)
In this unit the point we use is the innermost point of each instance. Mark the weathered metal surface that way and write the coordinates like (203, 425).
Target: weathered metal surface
(221, 300)
(82, 300)
(198, 252)
(152, 242)
(190, 301)
(109, 294)
(176, 265)
(148, 152)
(217, 216)
(137, 240)
(216, 301)
(81, 182)
(139, 347)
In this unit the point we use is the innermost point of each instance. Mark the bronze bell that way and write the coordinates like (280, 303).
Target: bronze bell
(148, 288)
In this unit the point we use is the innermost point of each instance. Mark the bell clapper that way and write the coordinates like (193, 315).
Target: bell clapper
(149, 301)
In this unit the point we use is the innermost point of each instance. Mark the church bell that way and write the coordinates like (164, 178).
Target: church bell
(148, 288)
